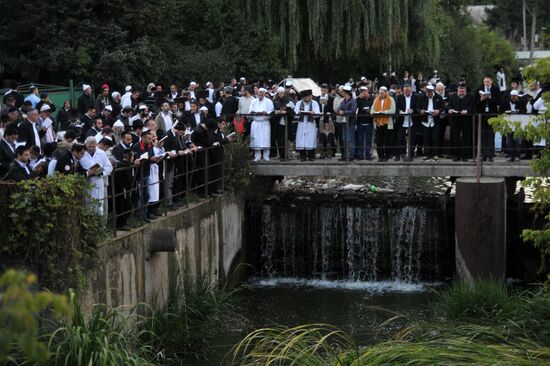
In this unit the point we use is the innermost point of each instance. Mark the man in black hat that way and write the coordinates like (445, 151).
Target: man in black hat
(203, 138)
(307, 110)
(177, 165)
(7, 148)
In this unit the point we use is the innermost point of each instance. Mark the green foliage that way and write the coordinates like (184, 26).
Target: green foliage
(19, 307)
(510, 330)
(536, 130)
(51, 226)
(481, 299)
(193, 315)
(237, 170)
(105, 339)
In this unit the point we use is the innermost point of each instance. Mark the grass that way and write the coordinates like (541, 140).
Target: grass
(105, 339)
(192, 317)
(481, 324)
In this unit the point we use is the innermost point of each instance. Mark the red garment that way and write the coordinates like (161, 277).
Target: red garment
(239, 125)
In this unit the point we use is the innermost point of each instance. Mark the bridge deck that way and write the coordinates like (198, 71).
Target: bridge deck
(416, 168)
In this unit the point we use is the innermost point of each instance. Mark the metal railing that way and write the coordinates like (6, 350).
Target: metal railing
(191, 174)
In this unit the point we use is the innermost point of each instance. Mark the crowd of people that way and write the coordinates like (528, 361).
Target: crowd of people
(145, 136)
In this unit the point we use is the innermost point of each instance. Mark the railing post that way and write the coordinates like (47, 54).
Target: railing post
(347, 140)
(287, 147)
(141, 194)
(478, 157)
(113, 203)
(186, 180)
(71, 92)
(408, 143)
(165, 185)
(206, 171)
(473, 136)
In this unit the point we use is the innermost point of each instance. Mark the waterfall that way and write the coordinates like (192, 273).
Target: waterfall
(352, 243)
(268, 242)
(406, 243)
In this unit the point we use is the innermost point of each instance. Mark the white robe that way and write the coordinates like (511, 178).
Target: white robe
(98, 183)
(260, 129)
(154, 178)
(306, 134)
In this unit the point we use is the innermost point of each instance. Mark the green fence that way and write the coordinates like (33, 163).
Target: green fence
(58, 94)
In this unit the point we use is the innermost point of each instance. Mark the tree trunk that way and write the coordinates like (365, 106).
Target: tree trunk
(533, 29)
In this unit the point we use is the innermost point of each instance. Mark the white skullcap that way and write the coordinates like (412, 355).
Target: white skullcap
(440, 84)
(514, 92)
(203, 108)
(242, 78)
(115, 94)
(383, 88)
(262, 90)
(363, 78)
(280, 89)
(118, 123)
(192, 83)
(363, 88)
(45, 107)
(109, 108)
(128, 88)
(347, 87)
(430, 87)
(288, 83)
(90, 140)
(142, 106)
(85, 86)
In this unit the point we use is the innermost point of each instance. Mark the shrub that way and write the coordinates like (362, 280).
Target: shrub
(187, 323)
(50, 226)
(237, 170)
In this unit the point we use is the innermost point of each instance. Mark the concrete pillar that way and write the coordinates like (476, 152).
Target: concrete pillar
(480, 228)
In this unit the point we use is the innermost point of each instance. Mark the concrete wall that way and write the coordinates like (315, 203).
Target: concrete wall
(209, 237)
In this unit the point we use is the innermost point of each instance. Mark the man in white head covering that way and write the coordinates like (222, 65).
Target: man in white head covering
(306, 135)
(126, 100)
(85, 101)
(260, 130)
(97, 165)
(191, 90)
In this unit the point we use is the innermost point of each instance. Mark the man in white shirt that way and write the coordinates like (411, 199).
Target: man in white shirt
(260, 129)
(97, 165)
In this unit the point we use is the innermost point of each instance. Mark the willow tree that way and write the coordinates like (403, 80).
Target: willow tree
(386, 33)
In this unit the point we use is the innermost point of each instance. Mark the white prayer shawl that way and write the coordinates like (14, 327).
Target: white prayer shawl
(98, 183)
(260, 129)
(154, 178)
(126, 100)
(306, 134)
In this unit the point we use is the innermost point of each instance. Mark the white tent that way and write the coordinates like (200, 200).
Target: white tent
(299, 84)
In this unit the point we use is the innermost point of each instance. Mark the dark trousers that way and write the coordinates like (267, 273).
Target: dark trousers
(513, 146)
(123, 199)
(430, 137)
(199, 180)
(328, 144)
(215, 171)
(274, 124)
(339, 133)
(399, 141)
(416, 138)
(348, 140)
(383, 141)
(461, 137)
(280, 140)
(487, 139)
(443, 123)
(364, 140)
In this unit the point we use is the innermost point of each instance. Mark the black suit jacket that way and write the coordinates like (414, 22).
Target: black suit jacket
(423, 105)
(26, 134)
(6, 157)
(401, 106)
(492, 103)
(17, 173)
(66, 165)
(521, 105)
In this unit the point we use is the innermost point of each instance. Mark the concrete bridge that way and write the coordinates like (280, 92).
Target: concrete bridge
(416, 168)
(482, 189)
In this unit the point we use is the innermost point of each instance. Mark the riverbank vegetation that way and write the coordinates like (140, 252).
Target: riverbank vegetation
(477, 324)
(40, 328)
